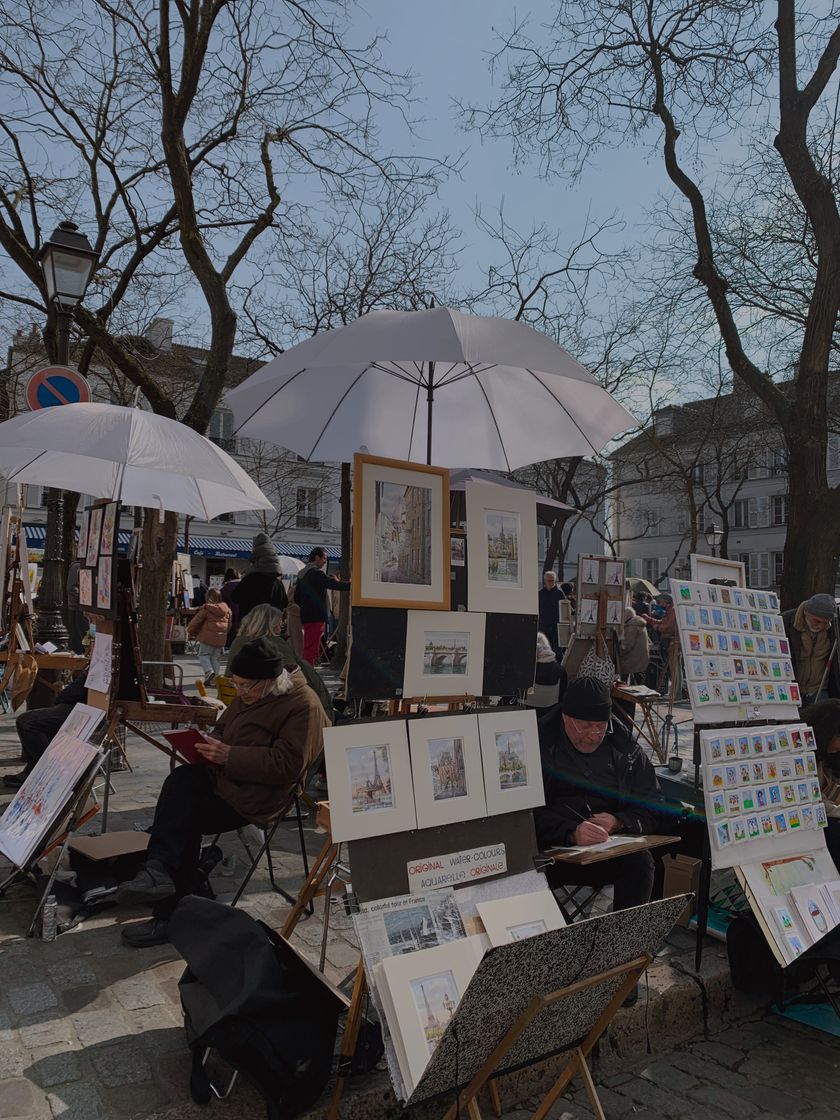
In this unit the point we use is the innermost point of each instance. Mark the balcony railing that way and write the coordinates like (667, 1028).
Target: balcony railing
(307, 521)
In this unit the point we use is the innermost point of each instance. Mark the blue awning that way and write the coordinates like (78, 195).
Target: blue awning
(234, 548)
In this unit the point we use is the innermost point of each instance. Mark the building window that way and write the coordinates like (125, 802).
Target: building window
(758, 468)
(759, 513)
(833, 455)
(698, 474)
(779, 509)
(650, 568)
(778, 566)
(307, 516)
(760, 569)
(740, 513)
(225, 517)
(220, 430)
(744, 558)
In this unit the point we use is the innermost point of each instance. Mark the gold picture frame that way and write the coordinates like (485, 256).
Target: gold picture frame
(401, 550)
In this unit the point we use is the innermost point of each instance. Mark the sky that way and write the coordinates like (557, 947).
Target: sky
(446, 44)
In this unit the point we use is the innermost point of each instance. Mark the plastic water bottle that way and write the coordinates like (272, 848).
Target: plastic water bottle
(49, 917)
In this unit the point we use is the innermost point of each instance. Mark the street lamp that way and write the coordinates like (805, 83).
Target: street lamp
(713, 538)
(67, 261)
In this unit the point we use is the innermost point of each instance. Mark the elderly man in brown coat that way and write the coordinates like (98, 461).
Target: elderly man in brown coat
(264, 744)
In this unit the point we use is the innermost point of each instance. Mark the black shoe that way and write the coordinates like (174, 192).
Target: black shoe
(151, 884)
(140, 935)
(15, 781)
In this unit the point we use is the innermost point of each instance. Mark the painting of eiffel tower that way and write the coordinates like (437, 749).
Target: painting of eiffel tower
(435, 998)
(370, 778)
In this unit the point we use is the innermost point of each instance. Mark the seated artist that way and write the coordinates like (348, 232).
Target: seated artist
(824, 718)
(597, 784)
(263, 745)
(37, 727)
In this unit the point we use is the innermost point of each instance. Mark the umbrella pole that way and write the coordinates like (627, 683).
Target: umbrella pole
(430, 400)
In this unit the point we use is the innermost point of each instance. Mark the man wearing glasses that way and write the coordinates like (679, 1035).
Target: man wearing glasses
(257, 759)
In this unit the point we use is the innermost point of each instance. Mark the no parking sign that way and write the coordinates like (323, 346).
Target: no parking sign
(56, 385)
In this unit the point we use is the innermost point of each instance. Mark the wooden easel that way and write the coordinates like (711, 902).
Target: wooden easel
(628, 974)
(16, 612)
(403, 705)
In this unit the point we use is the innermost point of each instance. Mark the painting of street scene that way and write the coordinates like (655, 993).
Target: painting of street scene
(445, 652)
(449, 775)
(513, 773)
(370, 778)
(502, 532)
(403, 534)
(435, 998)
(409, 930)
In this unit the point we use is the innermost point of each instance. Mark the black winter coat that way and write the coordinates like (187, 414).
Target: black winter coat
(311, 593)
(617, 778)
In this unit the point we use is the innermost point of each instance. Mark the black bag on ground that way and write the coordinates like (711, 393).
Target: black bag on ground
(247, 995)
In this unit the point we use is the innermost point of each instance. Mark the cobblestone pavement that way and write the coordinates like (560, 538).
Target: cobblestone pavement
(91, 1030)
(769, 1068)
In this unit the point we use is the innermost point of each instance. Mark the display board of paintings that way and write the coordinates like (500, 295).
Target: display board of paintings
(457, 768)
(600, 595)
(401, 546)
(97, 553)
(736, 654)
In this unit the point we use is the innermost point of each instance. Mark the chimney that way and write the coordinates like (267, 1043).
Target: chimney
(159, 333)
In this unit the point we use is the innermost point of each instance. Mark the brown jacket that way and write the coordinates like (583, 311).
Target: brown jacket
(274, 741)
(211, 624)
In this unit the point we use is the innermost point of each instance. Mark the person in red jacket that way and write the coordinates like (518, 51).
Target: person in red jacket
(209, 627)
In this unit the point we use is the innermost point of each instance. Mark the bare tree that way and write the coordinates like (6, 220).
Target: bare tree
(179, 135)
(680, 74)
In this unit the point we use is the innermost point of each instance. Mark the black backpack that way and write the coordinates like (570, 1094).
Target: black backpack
(249, 996)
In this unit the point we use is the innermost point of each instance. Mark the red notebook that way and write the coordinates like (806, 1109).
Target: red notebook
(184, 741)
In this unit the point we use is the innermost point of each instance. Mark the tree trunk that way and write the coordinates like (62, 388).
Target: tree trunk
(555, 547)
(68, 542)
(342, 630)
(159, 546)
(813, 530)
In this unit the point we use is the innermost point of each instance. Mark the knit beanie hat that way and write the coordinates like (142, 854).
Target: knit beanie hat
(587, 698)
(264, 556)
(260, 660)
(822, 605)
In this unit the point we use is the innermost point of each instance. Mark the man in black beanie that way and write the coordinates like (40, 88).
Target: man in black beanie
(597, 785)
(256, 760)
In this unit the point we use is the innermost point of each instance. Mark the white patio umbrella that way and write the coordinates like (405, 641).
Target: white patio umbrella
(140, 458)
(429, 386)
(290, 566)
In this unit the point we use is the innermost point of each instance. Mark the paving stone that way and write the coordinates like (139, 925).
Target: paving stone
(666, 1076)
(123, 1063)
(71, 973)
(87, 998)
(770, 1100)
(13, 1061)
(52, 1032)
(726, 1103)
(77, 1101)
(20, 1099)
(137, 992)
(643, 1093)
(32, 998)
(94, 1027)
(52, 1066)
(718, 1052)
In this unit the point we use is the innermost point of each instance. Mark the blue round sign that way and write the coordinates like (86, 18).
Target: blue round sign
(56, 385)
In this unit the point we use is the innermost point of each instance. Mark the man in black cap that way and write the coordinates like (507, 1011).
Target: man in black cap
(597, 784)
(811, 633)
(264, 743)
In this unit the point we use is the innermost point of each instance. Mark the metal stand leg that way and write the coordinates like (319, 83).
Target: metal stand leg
(106, 797)
(703, 890)
(31, 931)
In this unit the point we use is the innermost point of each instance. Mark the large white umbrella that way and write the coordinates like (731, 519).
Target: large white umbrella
(429, 386)
(138, 457)
(290, 566)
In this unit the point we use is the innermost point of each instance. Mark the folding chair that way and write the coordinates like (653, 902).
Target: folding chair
(225, 689)
(265, 850)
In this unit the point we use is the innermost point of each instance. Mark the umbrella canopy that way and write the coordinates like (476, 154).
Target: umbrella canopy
(431, 386)
(548, 509)
(290, 566)
(642, 586)
(140, 458)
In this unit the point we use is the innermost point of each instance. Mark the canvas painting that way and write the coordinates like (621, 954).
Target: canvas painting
(589, 569)
(615, 612)
(93, 537)
(588, 612)
(510, 754)
(109, 529)
(502, 555)
(444, 654)
(104, 588)
(520, 916)
(81, 546)
(446, 770)
(401, 548)
(86, 587)
(435, 999)
(369, 775)
(457, 551)
(614, 573)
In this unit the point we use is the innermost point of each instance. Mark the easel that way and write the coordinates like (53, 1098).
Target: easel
(628, 974)
(403, 706)
(69, 820)
(15, 610)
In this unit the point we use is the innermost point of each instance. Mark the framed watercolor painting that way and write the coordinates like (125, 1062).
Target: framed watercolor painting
(446, 770)
(107, 542)
(81, 546)
(706, 568)
(369, 775)
(92, 552)
(510, 754)
(444, 654)
(520, 916)
(401, 550)
(502, 557)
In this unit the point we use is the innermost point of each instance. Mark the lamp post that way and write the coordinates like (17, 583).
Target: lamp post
(67, 261)
(713, 538)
